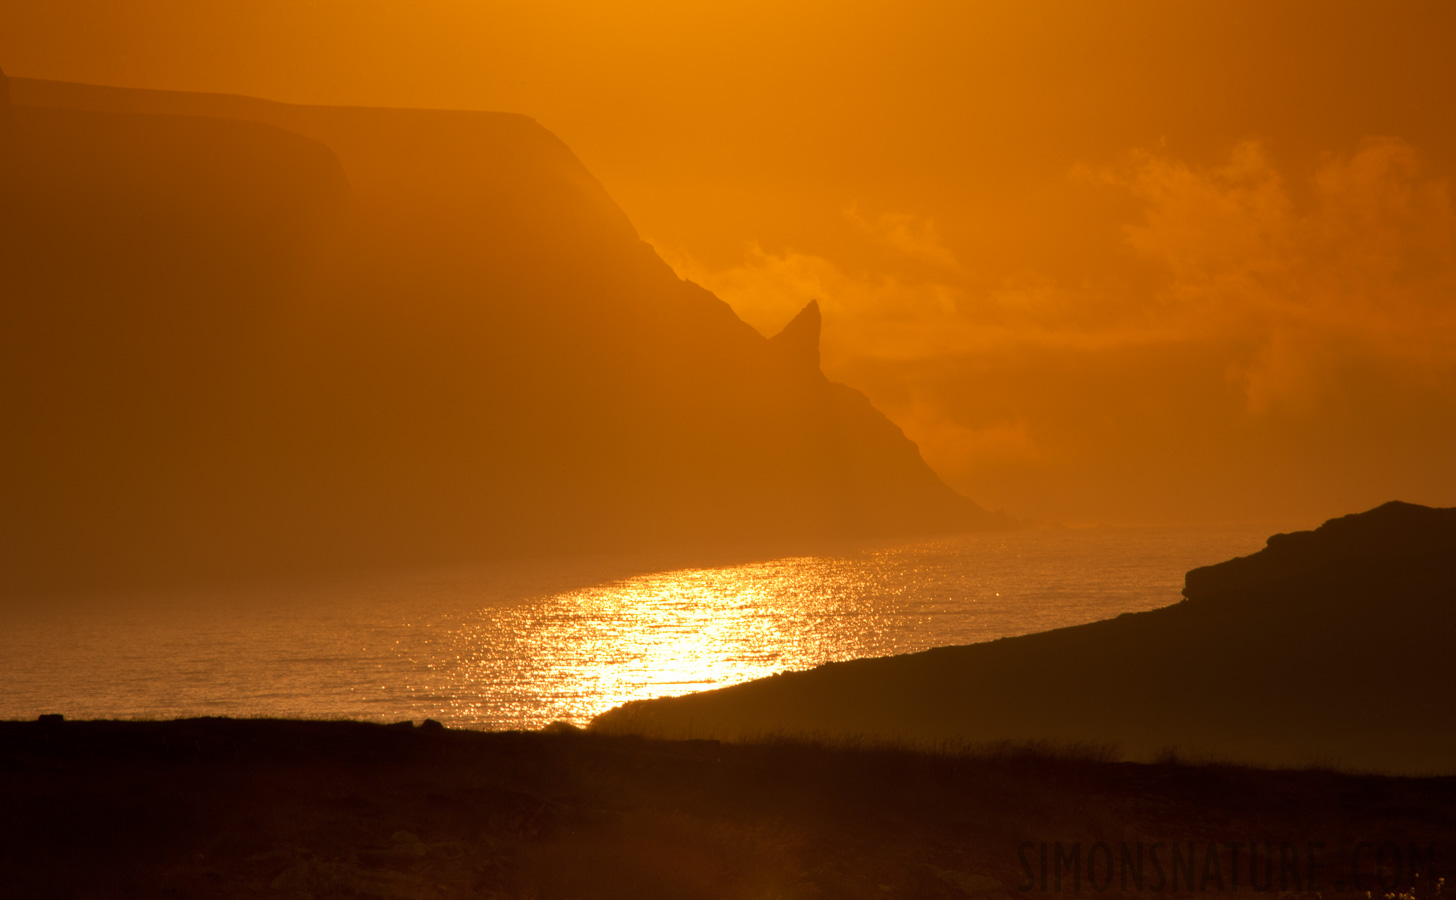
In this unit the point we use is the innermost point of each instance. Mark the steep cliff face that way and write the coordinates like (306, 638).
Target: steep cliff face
(246, 338)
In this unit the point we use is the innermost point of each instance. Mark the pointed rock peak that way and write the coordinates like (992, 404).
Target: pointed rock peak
(799, 341)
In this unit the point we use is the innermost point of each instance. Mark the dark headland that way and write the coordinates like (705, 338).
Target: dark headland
(1329, 646)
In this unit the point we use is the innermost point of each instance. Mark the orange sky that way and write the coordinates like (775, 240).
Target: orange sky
(1103, 262)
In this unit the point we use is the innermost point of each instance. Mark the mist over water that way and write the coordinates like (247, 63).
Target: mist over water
(518, 645)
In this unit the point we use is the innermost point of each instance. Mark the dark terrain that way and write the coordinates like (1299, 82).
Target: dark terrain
(238, 808)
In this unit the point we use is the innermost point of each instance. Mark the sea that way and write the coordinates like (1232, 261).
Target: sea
(524, 643)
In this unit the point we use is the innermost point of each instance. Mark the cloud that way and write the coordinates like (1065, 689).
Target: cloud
(1363, 272)
(908, 234)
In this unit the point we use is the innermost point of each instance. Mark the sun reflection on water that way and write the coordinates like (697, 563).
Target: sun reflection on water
(581, 652)
(571, 655)
(588, 650)
(519, 646)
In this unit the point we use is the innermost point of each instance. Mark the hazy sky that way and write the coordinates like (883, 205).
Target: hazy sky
(1104, 262)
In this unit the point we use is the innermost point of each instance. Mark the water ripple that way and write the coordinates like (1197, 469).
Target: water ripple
(520, 645)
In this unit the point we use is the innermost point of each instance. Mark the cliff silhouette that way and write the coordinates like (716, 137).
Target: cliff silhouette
(1327, 646)
(246, 338)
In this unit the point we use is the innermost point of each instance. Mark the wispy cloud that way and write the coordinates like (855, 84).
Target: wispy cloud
(911, 235)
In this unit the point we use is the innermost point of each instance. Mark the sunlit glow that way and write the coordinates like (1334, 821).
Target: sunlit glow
(676, 632)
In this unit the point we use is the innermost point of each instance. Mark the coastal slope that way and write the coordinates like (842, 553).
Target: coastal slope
(1329, 646)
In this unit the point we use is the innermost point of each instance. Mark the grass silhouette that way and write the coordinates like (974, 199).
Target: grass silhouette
(241, 808)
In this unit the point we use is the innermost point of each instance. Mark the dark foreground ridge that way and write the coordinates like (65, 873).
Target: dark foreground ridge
(1331, 646)
(252, 808)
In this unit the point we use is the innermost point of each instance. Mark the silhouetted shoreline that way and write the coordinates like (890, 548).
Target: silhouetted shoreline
(1329, 646)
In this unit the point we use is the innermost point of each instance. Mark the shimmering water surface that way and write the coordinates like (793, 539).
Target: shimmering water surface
(518, 645)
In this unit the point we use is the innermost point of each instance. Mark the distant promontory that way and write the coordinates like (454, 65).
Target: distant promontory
(248, 339)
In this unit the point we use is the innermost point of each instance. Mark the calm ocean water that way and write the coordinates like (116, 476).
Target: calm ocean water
(518, 645)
